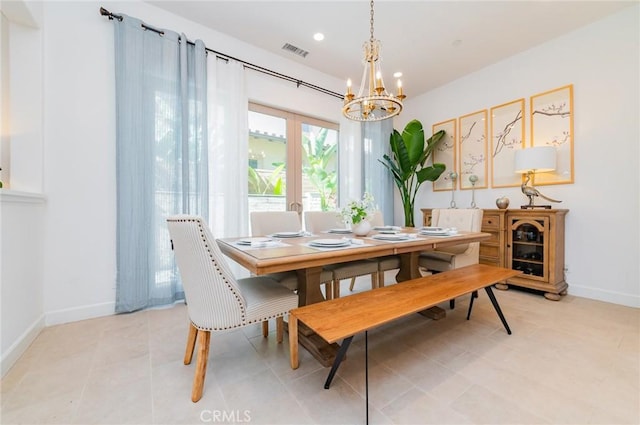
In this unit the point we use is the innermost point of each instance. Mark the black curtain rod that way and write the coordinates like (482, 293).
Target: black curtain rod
(224, 56)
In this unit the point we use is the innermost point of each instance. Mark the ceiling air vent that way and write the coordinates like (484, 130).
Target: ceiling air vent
(295, 50)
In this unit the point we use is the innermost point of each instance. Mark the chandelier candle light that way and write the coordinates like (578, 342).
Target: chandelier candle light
(376, 104)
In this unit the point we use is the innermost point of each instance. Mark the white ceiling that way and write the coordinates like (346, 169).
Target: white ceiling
(430, 42)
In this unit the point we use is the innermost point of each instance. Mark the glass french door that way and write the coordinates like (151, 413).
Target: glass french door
(292, 161)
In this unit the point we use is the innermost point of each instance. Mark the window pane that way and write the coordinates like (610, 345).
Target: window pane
(319, 168)
(267, 162)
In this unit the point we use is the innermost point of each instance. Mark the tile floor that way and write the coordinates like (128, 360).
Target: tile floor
(570, 362)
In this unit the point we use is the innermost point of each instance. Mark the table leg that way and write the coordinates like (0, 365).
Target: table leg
(309, 286)
(309, 293)
(409, 267)
(293, 341)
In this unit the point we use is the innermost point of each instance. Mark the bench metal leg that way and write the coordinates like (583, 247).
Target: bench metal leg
(343, 350)
(452, 303)
(474, 295)
(336, 363)
(366, 373)
(497, 307)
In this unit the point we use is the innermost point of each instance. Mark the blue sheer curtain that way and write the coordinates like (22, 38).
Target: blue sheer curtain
(377, 180)
(161, 156)
(361, 146)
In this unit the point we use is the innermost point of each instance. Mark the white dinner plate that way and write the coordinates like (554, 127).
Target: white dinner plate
(443, 232)
(249, 241)
(391, 237)
(433, 229)
(386, 228)
(341, 231)
(329, 242)
(287, 234)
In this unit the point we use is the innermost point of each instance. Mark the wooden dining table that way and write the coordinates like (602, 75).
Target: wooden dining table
(295, 254)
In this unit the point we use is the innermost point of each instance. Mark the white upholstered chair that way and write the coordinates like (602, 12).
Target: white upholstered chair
(321, 221)
(389, 262)
(453, 257)
(216, 301)
(269, 222)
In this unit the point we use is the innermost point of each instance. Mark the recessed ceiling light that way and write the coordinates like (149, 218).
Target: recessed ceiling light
(318, 36)
(397, 74)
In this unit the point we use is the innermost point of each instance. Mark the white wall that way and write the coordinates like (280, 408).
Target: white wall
(602, 62)
(21, 261)
(22, 137)
(4, 99)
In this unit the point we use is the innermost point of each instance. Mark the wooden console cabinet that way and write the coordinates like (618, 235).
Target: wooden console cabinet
(530, 240)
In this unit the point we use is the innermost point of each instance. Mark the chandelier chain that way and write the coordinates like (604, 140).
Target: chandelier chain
(371, 39)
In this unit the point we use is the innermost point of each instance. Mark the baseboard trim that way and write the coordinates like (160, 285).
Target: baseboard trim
(68, 315)
(18, 348)
(628, 300)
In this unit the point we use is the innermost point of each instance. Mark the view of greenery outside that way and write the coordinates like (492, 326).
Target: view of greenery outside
(319, 166)
(267, 184)
(269, 165)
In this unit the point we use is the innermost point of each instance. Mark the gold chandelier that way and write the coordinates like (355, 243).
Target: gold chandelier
(376, 104)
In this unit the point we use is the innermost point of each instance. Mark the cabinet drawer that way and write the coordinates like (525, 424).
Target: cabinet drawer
(492, 251)
(493, 240)
(490, 222)
(490, 261)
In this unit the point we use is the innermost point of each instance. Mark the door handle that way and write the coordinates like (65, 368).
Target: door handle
(295, 206)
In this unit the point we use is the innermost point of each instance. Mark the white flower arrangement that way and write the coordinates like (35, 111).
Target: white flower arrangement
(356, 211)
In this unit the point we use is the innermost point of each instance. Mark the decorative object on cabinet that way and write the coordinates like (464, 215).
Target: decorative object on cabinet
(410, 154)
(502, 202)
(527, 240)
(531, 161)
(473, 149)
(454, 177)
(473, 179)
(445, 153)
(507, 137)
(552, 125)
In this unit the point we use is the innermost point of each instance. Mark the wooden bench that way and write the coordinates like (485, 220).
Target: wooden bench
(342, 318)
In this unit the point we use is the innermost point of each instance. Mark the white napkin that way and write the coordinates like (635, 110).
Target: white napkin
(264, 244)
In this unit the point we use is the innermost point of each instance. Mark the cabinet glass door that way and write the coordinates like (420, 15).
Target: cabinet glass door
(528, 248)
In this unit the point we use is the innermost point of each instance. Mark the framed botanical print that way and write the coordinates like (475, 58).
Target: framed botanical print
(507, 136)
(445, 153)
(552, 125)
(472, 148)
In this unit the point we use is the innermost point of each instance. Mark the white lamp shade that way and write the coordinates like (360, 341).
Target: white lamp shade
(537, 159)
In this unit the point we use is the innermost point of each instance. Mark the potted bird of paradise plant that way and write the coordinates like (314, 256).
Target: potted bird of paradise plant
(408, 163)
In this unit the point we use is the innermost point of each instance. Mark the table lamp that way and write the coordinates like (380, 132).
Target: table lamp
(538, 159)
